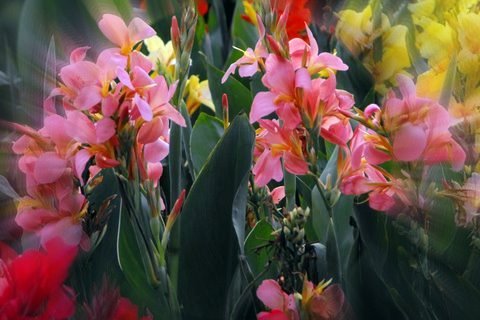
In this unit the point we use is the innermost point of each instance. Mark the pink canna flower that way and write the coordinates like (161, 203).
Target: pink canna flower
(274, 143)
(324, 301)
(424, 121)
(125, 37)
(282, 306)
(305, 54)
(250, 63)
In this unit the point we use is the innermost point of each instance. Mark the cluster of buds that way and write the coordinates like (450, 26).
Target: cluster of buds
(293, 228)
(290, 248)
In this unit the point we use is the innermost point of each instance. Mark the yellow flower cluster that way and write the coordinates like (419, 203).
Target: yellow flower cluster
(162, 55)
(360, 34)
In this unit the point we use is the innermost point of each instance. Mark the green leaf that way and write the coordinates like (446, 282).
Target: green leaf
(256, 246)
(132, 252)
(210, 251)
(239, 97)
(206, 132)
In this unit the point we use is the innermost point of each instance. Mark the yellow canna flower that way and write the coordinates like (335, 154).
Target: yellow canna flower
(354, 29)
(198, 93)
(436, 42)
(430, 83)
(395, 56)
(161, 54)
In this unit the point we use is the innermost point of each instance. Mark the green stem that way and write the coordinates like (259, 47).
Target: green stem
(290, 189)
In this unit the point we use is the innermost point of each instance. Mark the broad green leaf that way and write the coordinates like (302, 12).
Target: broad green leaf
(257, 247)
(206, 132)
(210, 251)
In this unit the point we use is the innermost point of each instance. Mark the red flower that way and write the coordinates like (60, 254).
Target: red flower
(202, 7)
(109, 305)
(298, 15)
(31, 284)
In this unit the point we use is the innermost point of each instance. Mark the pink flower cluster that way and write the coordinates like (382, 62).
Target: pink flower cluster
(116, 112)
(416, 130)
(302, 93)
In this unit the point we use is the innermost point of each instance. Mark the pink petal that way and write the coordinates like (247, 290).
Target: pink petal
(335, 130)
(280, 75)
(266, 168)
(312, 41)
(380, 201)
(278, 194)
(371, 110)
(155, 151)
(229, 71)
(88, 97)
(78, 54)
(49, 168)
(124, 78)
(406, 87)
(294, 164)
(31, 219)
(409, 142)
(303, 79)
(290, 115)
(150, 131)
(328, 60)
(109, 105)
(154, 172)
(271, 294)
(80, 127)
(262, 105)
(104, 129)
(139, 60)
(108, 61)
(65, 229)
(80, 74)
(141, 79)
(173, 114)
(143, 107)
(81, 159)
(248, 70)
(114, 29)
(139, 30)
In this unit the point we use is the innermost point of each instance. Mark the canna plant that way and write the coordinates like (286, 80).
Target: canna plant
(317, 177)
